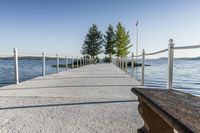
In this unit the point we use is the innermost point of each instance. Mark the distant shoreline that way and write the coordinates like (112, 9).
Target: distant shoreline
(29, 58)
(54, 58)
(182, 58)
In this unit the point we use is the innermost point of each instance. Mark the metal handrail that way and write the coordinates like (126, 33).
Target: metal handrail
(138, 56)
(120, 62)
(39, 55)
(165, 50)
(153, 53)
(158, 52)
(187, 47)
(82, 60)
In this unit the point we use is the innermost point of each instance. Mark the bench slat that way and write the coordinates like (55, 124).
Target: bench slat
(180, 110)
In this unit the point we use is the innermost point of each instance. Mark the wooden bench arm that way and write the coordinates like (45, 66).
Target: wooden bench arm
(166, 110)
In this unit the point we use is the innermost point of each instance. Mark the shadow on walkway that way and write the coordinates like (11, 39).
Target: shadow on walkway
(66, 104)
(50, 87)
(84, 77)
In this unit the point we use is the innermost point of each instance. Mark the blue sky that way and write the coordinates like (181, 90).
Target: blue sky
(59, 26)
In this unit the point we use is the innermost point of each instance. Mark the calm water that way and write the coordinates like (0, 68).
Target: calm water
(186, 73)
(28, 69)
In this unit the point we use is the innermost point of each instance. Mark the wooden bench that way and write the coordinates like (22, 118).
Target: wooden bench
(164, 110)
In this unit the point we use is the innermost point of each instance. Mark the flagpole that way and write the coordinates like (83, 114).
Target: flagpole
(136, 46)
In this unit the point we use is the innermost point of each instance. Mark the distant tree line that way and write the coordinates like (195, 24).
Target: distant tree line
(113, 42)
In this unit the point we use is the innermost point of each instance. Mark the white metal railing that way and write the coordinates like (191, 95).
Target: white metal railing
(120, 61)
(15, 55)
(158, 52)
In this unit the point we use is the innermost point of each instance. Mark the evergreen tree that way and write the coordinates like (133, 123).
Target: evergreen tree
(93, 42)
(122, 41)
(109, 39)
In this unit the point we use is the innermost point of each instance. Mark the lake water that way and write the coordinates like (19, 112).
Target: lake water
(186, 73)
(28, 69)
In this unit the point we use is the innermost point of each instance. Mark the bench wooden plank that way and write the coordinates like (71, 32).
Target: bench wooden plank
(180, 110)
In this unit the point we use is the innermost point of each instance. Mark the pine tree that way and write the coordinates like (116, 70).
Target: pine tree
(122, 41)
(93, 42)
(109, 40)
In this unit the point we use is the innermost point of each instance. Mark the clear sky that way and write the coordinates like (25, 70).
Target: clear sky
(55, 26)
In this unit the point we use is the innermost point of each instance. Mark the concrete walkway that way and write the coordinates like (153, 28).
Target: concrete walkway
(90, 99)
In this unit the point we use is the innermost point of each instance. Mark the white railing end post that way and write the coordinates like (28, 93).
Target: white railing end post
(66, 61)
(77, 62)
(143, 64)
(43, 63)
(16, 66)
(126, 65)
(170, 64)
(72, 62)
(57, 58)
(132, 63)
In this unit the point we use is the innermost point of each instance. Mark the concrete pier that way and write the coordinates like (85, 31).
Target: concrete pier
(90, 99)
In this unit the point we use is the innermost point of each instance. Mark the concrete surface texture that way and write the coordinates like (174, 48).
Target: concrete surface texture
(91, 99)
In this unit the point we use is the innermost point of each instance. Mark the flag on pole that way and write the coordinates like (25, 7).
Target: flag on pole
(137, 23)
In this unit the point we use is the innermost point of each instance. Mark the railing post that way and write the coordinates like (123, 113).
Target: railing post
(66, 61)
(72, 62)
(83, 61)
(80, 62)
(143, 64)
(132, 64)
(57, 61)
(43, 64)
(87, 61)
(170, 64)
(126, 65)
(117, 62)
(121, 63)
(16, 66)
(77, 62)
